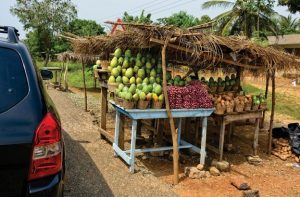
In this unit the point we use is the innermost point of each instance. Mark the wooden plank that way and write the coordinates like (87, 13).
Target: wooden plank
(205, 55)
(107, 135)
(272, 113)
(231, 118)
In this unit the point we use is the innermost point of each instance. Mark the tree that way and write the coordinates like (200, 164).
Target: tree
(288, 25)
(83, 27)
(137, 19)
(247, 17)
(180, 19)
(45, 19)
(293, 5)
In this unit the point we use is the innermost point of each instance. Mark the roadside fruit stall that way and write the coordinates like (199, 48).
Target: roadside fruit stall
(144, 88)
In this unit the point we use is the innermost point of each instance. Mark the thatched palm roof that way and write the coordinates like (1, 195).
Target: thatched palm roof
(194, 48)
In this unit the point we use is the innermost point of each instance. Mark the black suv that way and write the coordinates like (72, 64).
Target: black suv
(31, 141)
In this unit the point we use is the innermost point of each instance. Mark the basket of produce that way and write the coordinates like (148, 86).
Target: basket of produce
(142, 104)
(128, 104)
(157, 101)
(192, 96)
(112, 87)
(239, 103)
(255, 102)
(263, 106)
(239, 107)
(220, 108)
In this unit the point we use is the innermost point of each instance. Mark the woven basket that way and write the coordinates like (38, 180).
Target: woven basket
(128, 104)
(213, 89)
(228, 88)
(142, 104)
(220, 89)
(235, 88)
(263, 106)
(220, 110)
(157, 104)
(119, 101)
(229, 109)
(112, 87)
(239, 108)
(255, 107)
(104, 64)
(248, 107)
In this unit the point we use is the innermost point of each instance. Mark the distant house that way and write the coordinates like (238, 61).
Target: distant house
(291, 43)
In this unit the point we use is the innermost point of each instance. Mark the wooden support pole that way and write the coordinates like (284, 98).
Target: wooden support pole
(84, 85)
(171, 120)
(272, 112)
(266, 96)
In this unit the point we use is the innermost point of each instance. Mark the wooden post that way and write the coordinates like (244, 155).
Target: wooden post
(84, 85)
(65, 76)
(171, 120)
(272, 112)
(266, 96)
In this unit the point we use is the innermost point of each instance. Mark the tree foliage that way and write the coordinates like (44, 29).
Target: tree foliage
(288, 25)
(293, 5)
(145, 19)
(246, 17)
(45, 19)
(180, 19)
(83, 27)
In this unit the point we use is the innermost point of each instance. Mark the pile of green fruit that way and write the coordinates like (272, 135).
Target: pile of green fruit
(257, 100)
(139, 76)
(177, 80)
(228, 83)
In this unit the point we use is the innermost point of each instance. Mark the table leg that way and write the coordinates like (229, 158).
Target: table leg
(117, 130)
(221, 141)
(132, 146)
(197, 130)
(255, 142)
(231, 126)
(179, 130)
(55, 77)
(203, 141)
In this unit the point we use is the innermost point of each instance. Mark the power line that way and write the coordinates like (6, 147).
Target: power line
(165, 6)
(173, 6)
(136, 9)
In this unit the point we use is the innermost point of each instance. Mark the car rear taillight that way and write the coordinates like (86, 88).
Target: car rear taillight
(47, 151)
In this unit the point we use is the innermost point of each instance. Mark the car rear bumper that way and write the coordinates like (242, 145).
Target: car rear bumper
(50, 186)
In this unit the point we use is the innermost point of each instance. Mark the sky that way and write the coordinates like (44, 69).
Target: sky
(103, 10)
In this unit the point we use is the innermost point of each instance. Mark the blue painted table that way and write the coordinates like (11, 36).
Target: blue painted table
(137, 114)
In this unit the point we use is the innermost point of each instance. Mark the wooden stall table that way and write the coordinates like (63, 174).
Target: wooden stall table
(229, 118)
(138, 114)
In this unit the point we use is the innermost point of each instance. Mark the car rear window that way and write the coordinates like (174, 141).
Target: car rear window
(13, 82)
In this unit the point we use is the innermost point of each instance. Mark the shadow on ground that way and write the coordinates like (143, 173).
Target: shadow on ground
(82, 175)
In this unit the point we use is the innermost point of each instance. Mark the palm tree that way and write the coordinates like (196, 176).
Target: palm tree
(245, 18)
(288, 25)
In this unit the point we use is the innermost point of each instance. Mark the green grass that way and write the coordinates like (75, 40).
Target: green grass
(286, 104)
(75, 78)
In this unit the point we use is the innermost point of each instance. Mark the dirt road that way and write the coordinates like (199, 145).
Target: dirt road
(91, 168)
